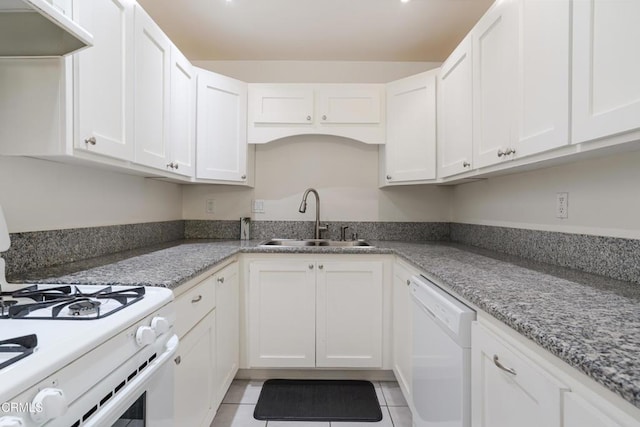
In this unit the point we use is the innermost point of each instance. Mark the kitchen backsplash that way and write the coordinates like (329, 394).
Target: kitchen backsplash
(607, 256)
(262, 230)
(40, 249)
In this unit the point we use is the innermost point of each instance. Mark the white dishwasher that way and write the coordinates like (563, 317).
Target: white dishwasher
(441, 357)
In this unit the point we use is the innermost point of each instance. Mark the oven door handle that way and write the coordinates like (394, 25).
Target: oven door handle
(114, 408)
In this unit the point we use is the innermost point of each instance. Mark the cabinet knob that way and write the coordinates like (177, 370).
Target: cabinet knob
(324, 117)
(170, 165)
(502, 367)
(91, 141)
(243, 177)
(388, 177)
(220, 279)
(308, 118)
(408, 282)
(175, 165)
(501, 153)
(321, 266)
(466, 164)
(509, 151)
(178, 360)
(310, 266)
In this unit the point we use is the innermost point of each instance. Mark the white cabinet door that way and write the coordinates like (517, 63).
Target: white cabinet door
(103, 79)
(227, 330)
(495, 57)
(221, 135)
(193, 396)
(402, 329)
(542, 121)
(349, 104)
(455, 111)
(578, 412)
(606, 68)
(282, 314)
(152, 91)
(182, 126)
(410, 150)
(525, 397)
(349, 314)
(282, 104)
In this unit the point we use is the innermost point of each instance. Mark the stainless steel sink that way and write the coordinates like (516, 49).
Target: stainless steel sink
(294, 243)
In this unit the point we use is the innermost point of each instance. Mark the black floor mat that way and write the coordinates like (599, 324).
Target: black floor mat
(318, 400)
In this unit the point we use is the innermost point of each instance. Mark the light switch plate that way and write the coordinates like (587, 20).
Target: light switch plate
(258, 206)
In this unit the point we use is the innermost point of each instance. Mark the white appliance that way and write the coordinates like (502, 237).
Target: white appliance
(85, 356)
(441, 357)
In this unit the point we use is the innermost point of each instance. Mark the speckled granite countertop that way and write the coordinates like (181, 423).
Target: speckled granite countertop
(590, 322)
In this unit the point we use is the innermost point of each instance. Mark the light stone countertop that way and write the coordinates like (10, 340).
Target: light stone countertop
(590, 322)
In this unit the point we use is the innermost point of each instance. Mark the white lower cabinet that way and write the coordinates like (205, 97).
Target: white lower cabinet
(507, 388)
(313, 312)
(227, 349)
(402, 328)
(194, 387)
(579, 412)
(207, 324)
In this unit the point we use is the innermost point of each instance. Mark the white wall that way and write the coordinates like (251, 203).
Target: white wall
(42, 195)
(604, 198)
(344, 172)
(316, 71)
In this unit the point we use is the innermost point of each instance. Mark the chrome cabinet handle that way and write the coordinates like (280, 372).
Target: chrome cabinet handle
(466, 164)
(408, 282)
(175, 165)
(502, 367)
(501, 153)
(243, 177)
(91, 140)
(220, 279)
(324, 117)
(309, 118)
(196, 299)
(178, 360)
(509, 151)
(388, 177)
(310, 266)
(321, 266)
(170, 165)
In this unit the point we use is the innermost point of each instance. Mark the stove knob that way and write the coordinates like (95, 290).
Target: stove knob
(48, 404)
(11, 422)
(160, 325)
(145, 336)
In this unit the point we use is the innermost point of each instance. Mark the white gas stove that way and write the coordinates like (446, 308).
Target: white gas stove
(75, 356)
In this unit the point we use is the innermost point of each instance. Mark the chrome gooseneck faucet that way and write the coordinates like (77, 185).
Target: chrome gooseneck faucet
(303, 209)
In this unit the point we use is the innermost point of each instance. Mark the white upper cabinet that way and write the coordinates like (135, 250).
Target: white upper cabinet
(182, 123)
(455, 112)
(495, 55)
(521, 80)
(410, 151)
(606, 68)
(152, 91)
(221, 135)
(353, 111)
(103, 79)
(543, 76)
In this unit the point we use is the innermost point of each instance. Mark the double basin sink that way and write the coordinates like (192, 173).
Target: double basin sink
(295, 243)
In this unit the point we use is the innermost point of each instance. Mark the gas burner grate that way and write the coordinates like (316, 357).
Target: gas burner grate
(22, 346)
(54, 301)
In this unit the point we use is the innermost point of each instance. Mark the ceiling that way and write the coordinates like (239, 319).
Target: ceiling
(316, 30)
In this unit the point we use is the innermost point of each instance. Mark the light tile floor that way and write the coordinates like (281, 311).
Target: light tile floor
(240, 401)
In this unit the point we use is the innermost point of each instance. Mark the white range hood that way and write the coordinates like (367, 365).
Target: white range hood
(37, 28)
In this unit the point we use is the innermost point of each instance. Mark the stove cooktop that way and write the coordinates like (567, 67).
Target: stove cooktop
(66, 302)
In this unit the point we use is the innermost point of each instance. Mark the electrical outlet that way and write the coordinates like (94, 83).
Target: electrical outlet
(258, 206)
(562, 205)
(210, 206)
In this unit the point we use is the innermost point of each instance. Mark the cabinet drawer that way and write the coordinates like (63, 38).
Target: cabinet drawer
(194, 304)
